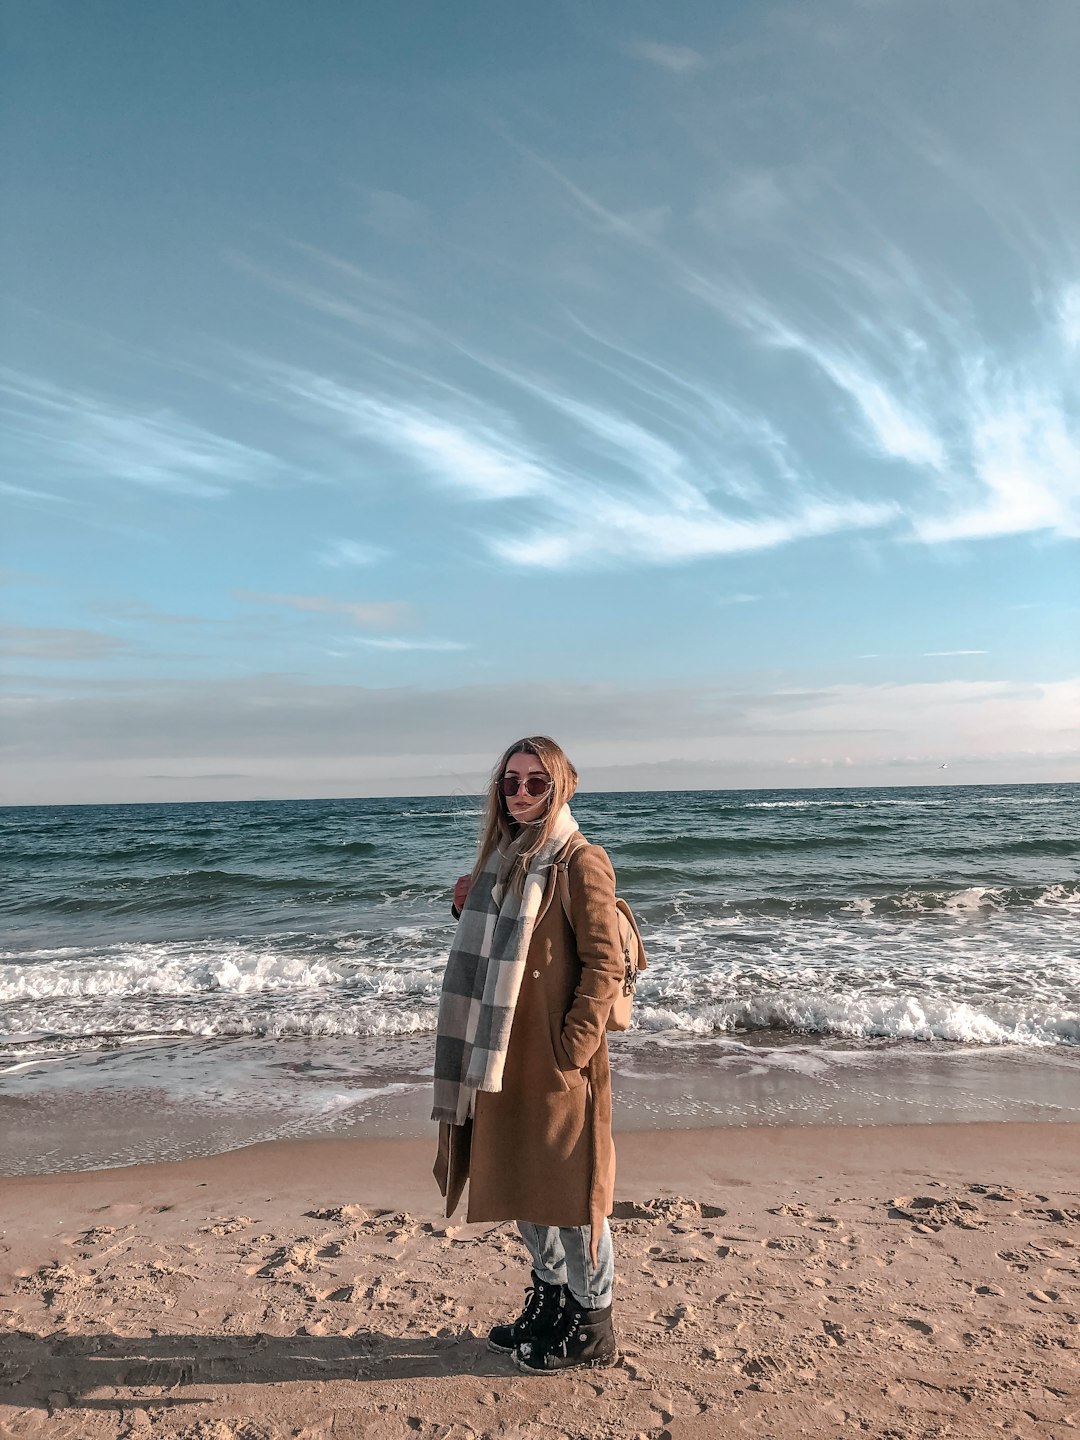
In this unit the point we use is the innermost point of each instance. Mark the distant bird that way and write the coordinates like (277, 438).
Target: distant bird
(943, 767)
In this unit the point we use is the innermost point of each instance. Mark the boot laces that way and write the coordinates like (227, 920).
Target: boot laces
(534, 1302)
(568, 1321)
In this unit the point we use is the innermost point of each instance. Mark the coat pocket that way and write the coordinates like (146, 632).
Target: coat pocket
(570, 1074)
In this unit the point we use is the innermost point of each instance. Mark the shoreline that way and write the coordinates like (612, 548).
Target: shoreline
(916, 1280)
(390, 1172)
(183, 1101)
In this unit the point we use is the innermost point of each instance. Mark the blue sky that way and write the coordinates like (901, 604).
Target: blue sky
(696, 383)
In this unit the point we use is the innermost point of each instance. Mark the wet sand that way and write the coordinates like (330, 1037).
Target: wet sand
(176, 1100)
(894, 1281)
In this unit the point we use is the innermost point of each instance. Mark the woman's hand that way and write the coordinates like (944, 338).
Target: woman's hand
(461, 890)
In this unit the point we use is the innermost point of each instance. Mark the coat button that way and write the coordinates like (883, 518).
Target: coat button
(536, 974)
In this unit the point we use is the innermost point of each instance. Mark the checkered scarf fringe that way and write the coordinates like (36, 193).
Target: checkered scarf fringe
(483, 974)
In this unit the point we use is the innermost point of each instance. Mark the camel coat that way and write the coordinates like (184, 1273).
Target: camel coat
(540, 1149)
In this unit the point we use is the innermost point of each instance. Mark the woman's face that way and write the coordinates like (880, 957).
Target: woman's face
(521, 806)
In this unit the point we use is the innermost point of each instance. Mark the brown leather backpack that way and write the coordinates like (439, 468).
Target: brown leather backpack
(629, 937)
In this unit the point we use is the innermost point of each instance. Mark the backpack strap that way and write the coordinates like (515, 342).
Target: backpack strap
(562, 870)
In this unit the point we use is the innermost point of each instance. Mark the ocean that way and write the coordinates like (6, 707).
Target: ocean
(182, 978)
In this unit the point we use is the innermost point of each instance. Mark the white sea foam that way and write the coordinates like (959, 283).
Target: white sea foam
(976, 897)
(852, 804)
(902, 1018)
(980, 965)
(180, 968)
(442, 814)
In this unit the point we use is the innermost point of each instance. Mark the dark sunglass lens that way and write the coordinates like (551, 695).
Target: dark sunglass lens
(534, 785)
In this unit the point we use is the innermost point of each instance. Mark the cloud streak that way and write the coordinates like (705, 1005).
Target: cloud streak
(648, 501)
(675, 59)
(42, 642)
(366, 615)
(341, 554)
(971, 443)
(90, 439)
(992, 439)
(398, 644)
(483, 458)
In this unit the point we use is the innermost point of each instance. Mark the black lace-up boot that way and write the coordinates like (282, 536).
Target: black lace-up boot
(579, 1337)
(542, 1306)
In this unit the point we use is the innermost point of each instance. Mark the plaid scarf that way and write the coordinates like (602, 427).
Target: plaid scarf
(484, 972)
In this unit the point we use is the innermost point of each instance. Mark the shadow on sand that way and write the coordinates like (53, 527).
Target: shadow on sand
(47, 1371)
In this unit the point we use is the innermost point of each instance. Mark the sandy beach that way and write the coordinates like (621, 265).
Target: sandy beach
(890, 1281)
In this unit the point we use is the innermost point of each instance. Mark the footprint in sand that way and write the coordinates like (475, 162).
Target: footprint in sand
(52, 1282)
(675, 1320)
(935, 1213)
(762, 1367)
(227, 1225)
(240, 1429)
(794, 1245)
(290, 1259)
(666, 1207)
(334, 1249)
(344, 1214)
(95, 1235)
(343, 1295)
(1002, 1194)
(675, 1257)
(1031, 1257)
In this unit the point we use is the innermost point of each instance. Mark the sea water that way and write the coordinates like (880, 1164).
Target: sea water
(185, 977)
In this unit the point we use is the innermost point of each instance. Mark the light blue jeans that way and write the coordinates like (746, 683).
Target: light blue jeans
(560, 1255)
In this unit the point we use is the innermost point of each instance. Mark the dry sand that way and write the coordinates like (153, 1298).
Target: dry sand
(899, 1282)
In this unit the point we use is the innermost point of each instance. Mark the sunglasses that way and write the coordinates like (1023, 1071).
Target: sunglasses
(534, 785)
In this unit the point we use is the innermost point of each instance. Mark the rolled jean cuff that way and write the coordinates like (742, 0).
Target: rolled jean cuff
(560, 1256)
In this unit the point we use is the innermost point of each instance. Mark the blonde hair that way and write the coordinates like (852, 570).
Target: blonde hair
(499, 830)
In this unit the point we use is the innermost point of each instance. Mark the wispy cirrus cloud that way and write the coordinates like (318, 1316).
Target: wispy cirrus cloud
(78, 435)
(1023, 454)
(676, 59)
(605, 481)
(1069, 317)
(990, 435)
(652, 503)
(435, 643)
(339, 554)
(394, 215)
(137, 611)
(998, 433)
(25, 492)
(43, 642)
(607, 530)
(969, 441)
(366, 615)
(480, 455)
(891, 425)
(345, 292)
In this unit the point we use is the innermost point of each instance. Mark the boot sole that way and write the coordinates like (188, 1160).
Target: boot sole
(502, 1349)
(604, 1363)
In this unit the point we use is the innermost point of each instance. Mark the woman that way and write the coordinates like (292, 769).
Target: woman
(522, 1084)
